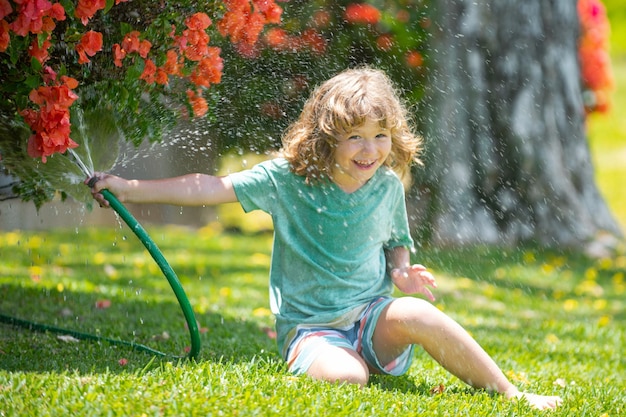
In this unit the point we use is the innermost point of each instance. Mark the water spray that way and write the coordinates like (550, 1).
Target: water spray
(158, 257)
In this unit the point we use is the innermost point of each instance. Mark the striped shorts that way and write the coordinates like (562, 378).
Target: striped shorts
(304, 347)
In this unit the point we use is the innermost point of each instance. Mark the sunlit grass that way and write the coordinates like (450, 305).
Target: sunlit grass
(554, 321)
(607, 139)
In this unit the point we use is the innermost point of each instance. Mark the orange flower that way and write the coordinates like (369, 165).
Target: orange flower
(197, 44)
(5, 9)
(270, 10)
(362, 13)
(198, 21)
(39, 53)
(320, 19)
(51, 123)
(144, 48)
(89, 45)
(314, 41)
(414, 59)
(277, 38)
(149, 71)
(130, 43)
(594, 56)
(244, 23)
(198, 103)
(85, 9)
(5, 38)
(118, 55)
(171, 65)
(384, 42)
(34, 16)
(209, 69)
(161, 77)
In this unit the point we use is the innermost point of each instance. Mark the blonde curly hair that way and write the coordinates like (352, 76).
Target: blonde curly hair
(337, 106)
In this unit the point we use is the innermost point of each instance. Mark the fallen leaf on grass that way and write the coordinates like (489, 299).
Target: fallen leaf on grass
(269, 332)
(102, 304)
(439, 389)
(67, 338)
(123, 362)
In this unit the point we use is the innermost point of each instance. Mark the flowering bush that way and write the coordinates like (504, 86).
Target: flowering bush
(140, 64)
(317, 40)
(594, 55)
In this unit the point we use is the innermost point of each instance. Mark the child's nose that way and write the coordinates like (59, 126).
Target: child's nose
(369, 146)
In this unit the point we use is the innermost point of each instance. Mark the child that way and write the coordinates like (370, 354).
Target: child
(341, 239)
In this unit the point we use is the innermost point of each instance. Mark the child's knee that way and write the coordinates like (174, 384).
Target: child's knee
(341, 367)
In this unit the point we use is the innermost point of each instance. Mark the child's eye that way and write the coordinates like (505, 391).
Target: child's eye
(382, 136)
(354, 137)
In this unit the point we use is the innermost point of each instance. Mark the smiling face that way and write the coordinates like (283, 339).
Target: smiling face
(359, 153)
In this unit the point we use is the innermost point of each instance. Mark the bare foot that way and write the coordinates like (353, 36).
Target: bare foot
(540, 402)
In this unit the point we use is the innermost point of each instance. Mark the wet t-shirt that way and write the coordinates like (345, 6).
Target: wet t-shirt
(328, 254)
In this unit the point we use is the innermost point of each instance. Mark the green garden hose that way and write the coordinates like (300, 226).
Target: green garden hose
(167, 270)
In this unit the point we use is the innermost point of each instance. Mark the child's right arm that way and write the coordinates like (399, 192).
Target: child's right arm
(186, 190)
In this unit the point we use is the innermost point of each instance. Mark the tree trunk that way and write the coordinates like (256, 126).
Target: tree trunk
(507, 158)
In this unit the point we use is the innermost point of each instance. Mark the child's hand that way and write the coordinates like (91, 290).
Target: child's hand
(100, 181)
(413, 280)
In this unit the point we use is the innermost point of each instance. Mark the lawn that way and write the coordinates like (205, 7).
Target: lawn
(553, 321)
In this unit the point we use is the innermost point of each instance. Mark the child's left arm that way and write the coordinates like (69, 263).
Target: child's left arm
(409, 279)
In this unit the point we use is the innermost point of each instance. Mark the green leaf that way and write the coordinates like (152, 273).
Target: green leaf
(36, 65)
(109, 4)
(33, 81)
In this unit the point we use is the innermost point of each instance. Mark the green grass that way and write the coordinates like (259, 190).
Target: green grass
(553, 321)
(607, 132)
(607, 139)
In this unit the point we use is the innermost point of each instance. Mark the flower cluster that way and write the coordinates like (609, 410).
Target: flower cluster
(368, 15)
(362, 13)
(188, 56)
(594, 55)
(51, 122)
(244, 19)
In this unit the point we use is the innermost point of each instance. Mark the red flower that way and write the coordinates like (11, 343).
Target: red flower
(130, 43)
(314, 41)
(384, 42)
(161, 77)
(209, 69)
(593, 52)
(5, 9)
(118, 55)
(198, 21)
(414, 59)
(149, 71)
(171, 65)
(85, 9)
(5, 38)
(39, 53)
(30, 16)
(51, 123)
(362, 13)
(89, 45)
(244, 23)
(277, 38)
(198, 103)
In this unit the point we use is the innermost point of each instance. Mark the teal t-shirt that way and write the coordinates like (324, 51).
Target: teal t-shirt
(328, 255)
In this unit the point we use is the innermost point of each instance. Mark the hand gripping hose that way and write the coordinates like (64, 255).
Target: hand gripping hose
(167, 270)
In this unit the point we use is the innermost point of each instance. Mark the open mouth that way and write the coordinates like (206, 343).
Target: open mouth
(367, 164)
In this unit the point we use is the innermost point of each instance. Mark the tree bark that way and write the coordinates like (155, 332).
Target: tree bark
(507, 158)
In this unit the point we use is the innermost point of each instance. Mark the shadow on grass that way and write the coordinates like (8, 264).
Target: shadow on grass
(158, 325)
